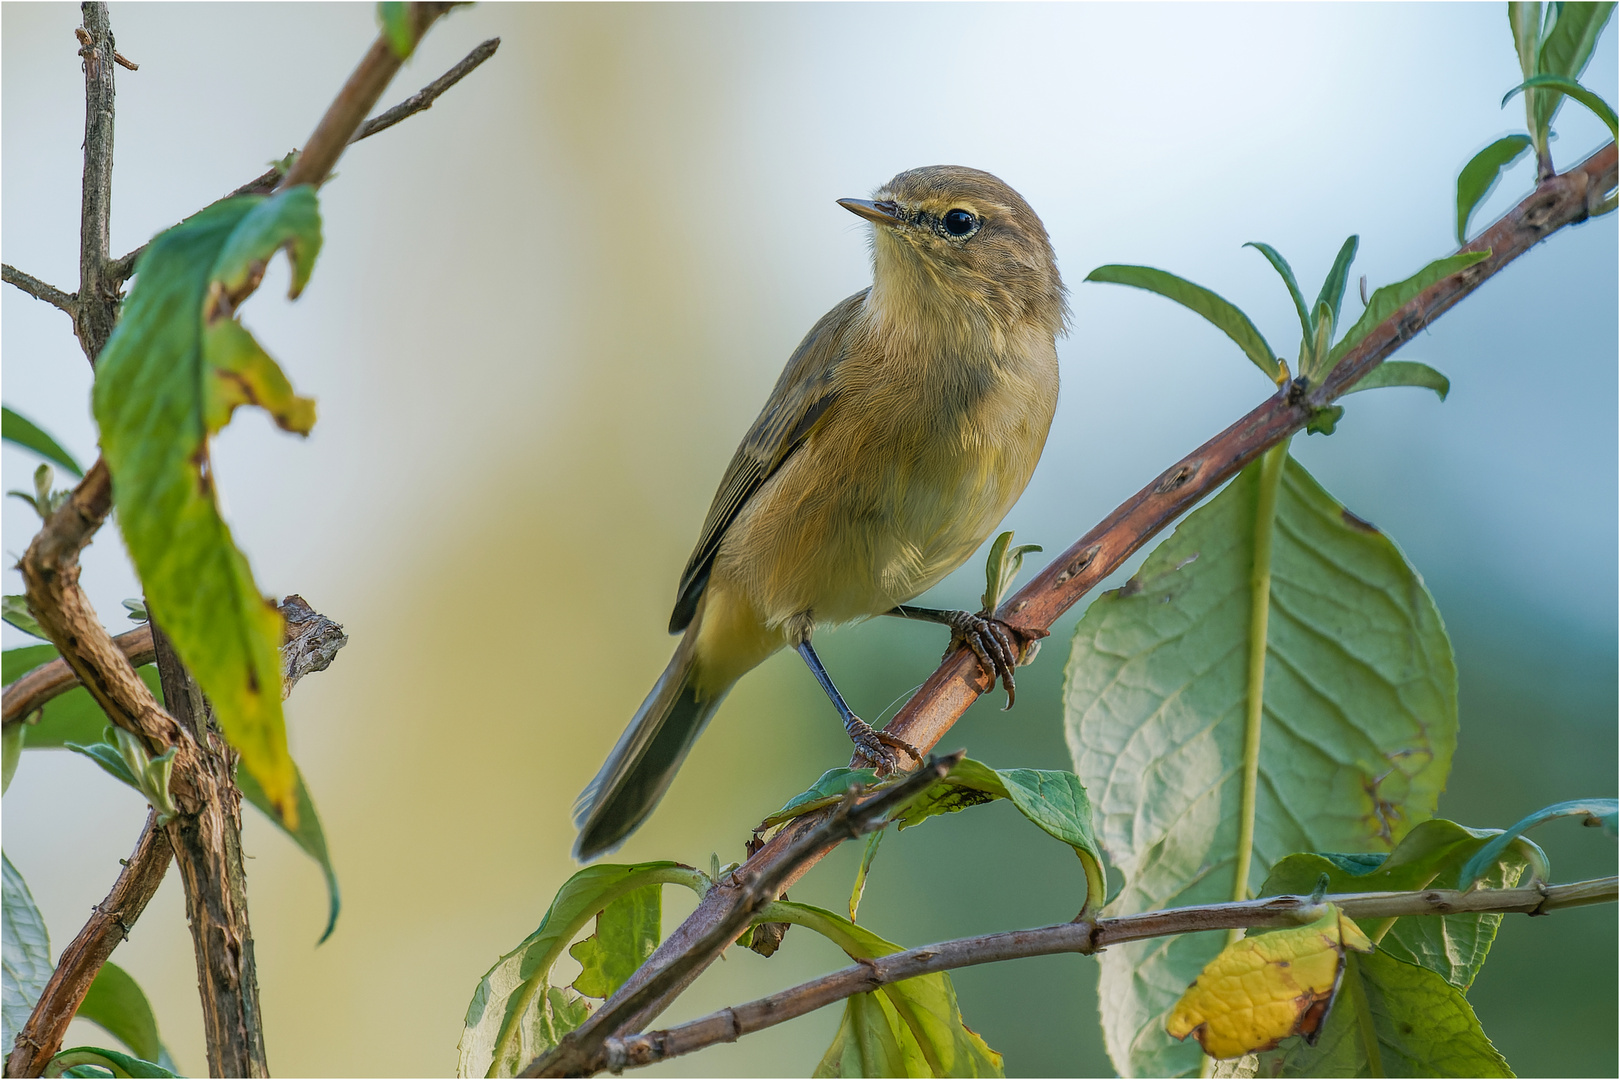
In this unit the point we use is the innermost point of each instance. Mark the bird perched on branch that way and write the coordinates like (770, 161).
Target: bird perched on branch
(902, 430)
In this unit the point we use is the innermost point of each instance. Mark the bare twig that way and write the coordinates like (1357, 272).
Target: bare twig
(1558, 201)
(49, 681)
(1084, 937)
(748, 893)
(39, 290)
(97, 309)
(348, 110)
(41, 1037)
(263, 184)
(424, 98)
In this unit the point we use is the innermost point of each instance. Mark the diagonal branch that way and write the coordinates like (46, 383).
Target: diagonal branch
(1560, 200)
(123, 268)
(1085, 937)
(40, 290)
(47, 682)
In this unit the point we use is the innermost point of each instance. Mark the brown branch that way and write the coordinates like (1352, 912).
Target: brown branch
(50, 681)
(1085, 937)
(123, 269)
(40, 290)
(747, 893)
(208, 852)
(97, 309)
(41, 1037)
(424, 98)
(1558, 201)
(357, 98)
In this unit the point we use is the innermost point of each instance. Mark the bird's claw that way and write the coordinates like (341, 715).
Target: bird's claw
(878, 748)
(999, 646)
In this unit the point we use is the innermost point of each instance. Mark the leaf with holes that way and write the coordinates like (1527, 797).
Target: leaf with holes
(174, 370)
(627, 932)
(1356, 726)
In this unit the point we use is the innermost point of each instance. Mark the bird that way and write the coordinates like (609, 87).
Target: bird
(900, 433)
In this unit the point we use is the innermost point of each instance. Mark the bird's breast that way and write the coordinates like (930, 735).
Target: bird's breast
(906, 477)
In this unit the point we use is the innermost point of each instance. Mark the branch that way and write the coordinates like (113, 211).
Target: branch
(123, 269)
(39, 290)
(1087, 937)
(1558, 201)
(424, 98)
(97, 309)
(50, 681)
(41, 1037)
(748, 893)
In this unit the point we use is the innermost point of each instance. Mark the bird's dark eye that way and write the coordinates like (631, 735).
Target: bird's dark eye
(959, 222)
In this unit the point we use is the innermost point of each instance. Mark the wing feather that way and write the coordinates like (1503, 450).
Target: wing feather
(802, 395)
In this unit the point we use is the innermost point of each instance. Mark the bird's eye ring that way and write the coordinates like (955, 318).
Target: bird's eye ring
(959, 223)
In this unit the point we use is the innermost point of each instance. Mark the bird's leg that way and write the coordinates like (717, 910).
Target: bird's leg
(877, 747)
(999, 647)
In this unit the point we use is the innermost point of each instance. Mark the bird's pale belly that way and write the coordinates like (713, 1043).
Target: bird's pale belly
(836, 552)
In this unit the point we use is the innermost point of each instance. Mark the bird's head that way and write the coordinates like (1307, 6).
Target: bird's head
(957, 244)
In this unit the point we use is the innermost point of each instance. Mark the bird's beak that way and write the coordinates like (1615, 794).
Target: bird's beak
(884, 213)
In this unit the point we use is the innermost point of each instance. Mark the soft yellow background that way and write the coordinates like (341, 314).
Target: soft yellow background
(547, 309)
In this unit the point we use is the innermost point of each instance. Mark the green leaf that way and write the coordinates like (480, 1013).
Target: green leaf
(398, 26)
(1286, 272)
(25, 953)
(1415, 1022)
(15, 663)
(627, 932)
(119, 1065)
(1604, 811)
(74, 716)
(115, 1001)
(1053, 800)
(171, 374)
(1525, 20)
(307, 834)
(1403, 373)
(13, 744)
(868, 853)
(1565, 85)
(1431, 856)
(111, 761)
(1217, 310)
(1391, 298)
(16, 613)
(1565, 49)
(1001, 568)
(516, 1014)
(1480, 175)
(1358, 723)
(1332, 294)
(826, 791)
(922, 1033)
(16, 428)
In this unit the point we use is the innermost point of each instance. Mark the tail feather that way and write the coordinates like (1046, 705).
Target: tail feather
(641, 766)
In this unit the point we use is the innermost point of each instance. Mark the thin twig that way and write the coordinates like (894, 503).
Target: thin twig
(424, 98)
(263, 184)
(1083, 937)
(39, 290)
(41, 1037)
(749, 892)
(357, 98)
(1559, 201)
(97, 309)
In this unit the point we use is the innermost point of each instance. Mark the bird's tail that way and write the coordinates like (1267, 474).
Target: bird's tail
(641, 766)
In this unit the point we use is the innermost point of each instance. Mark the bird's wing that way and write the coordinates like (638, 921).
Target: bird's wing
(800, 399)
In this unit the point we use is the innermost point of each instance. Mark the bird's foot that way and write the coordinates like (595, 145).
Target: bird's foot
(999, 646)
(878, 748)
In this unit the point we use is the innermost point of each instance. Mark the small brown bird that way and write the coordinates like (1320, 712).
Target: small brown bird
(902, 430)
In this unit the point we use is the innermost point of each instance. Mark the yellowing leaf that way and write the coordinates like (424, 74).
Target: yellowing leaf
(1262, 989)
(175, 368)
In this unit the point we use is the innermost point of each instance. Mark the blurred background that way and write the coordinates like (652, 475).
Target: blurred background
(546, 311)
